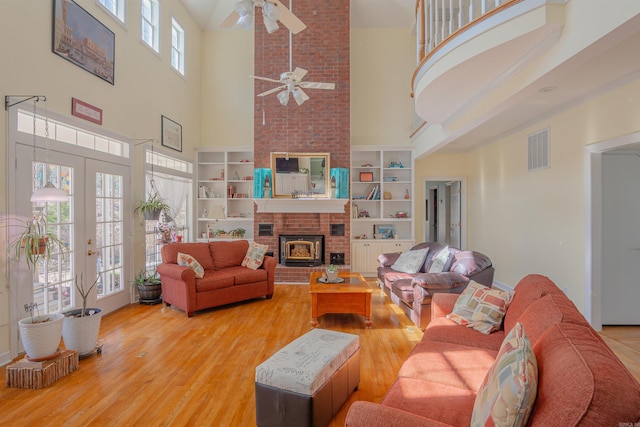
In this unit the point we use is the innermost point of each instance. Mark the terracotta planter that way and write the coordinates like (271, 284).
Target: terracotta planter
(40, 248)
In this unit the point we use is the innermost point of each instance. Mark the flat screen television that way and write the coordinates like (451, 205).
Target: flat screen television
(284, 165)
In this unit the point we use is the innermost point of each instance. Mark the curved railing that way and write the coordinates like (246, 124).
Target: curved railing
(438, 21)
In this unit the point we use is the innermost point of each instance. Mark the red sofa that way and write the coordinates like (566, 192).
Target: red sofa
(225, 281)
(580, 380)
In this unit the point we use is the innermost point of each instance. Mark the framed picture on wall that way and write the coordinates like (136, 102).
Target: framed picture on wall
(81, 39)
(171, 134)
(384, 231)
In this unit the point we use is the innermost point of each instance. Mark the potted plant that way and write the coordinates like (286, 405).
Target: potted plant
(40, 334)
(36, 242)
(149, 287)
(151, 208)
(238, 232)
(81, 326)
(332, 273)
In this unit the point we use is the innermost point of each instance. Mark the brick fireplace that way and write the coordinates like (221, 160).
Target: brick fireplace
(321, 124)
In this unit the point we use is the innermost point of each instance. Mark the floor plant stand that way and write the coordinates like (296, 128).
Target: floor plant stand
(36, 375)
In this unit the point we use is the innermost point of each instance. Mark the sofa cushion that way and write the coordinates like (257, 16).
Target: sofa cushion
(469, 263)
(448, 404)
(187, 260)
(214, 280)
(410, 261)
(441, 261)
(228, 254)
(458, 365)
(444, 330)
(481, 308)
(403, 289)
(528, 289)
(200, 251)
(244, 275)
(509, 389)
(581, 381)
(254, 256)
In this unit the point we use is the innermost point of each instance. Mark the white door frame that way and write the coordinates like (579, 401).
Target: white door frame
(593, 223)
(59, 148)
(463, 202)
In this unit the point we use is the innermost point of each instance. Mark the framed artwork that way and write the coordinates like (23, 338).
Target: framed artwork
(384, 231)
(366, 176)
(81, 39)
(86, 111)
(171, 134)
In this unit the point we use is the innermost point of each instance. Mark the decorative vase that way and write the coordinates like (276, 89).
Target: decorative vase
(81, 333)
(332, 276)
(41, 339)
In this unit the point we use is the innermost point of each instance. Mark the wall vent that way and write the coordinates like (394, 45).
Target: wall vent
(538, 150)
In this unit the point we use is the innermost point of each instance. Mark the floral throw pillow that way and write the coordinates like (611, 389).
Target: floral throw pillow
(187, 260)
(509, 390)
(255, 255)
(410, 261)
(481, 308)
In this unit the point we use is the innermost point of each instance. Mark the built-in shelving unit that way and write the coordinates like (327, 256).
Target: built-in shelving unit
(382, 204)
(224, 180)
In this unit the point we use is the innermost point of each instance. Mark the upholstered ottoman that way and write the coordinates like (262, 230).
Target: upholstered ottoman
(307, 382)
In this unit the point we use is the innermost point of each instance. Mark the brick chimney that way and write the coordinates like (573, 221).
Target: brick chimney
(321, 124)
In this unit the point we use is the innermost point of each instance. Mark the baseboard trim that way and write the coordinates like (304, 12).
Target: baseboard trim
(502, 286)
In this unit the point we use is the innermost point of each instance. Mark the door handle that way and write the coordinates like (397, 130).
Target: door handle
(90, 252)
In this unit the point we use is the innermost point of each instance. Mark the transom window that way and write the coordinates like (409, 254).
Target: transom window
(150, 23)
(177, 46)
(115, 7)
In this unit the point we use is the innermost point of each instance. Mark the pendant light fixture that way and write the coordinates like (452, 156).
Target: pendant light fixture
(48, 193)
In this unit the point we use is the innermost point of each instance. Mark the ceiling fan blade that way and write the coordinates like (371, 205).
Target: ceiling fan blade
(266, 79)
(230, 20)
(288, 19)
(299, 73)
(318, 85)
(300, 96)
(274, 90)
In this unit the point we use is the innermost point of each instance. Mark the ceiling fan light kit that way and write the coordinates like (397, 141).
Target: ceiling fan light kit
(272, 11)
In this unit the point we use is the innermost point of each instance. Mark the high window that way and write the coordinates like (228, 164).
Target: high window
(177, 46)
(150, 23)
(115, 7)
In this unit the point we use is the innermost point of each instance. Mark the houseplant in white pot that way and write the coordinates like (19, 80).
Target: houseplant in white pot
(40, 334)
(81, 326)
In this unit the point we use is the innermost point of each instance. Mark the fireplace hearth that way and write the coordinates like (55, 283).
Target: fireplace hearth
(301, 250)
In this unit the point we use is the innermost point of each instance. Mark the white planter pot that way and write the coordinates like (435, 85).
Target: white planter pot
(41, 340)
(81, 333)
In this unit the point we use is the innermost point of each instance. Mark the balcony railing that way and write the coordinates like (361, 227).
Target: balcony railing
(437, 20)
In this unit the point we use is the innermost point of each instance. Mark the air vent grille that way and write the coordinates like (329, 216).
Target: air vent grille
(538, 150)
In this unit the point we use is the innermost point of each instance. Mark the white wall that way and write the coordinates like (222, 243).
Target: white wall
(382, 64)
(146, 87)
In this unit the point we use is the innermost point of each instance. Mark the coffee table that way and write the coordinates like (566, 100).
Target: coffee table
(351, 296)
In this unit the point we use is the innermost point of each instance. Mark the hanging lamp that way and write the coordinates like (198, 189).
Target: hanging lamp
(48, 193)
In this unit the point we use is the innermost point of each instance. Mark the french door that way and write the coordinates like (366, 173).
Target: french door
(93, 224)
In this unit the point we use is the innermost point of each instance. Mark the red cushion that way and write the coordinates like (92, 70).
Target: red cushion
(228, 254)
(200, 251)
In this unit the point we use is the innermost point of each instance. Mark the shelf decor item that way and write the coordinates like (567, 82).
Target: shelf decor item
(262, 183)
(366, 176)
(341, 176)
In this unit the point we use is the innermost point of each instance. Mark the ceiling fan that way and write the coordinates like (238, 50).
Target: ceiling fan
(291, 81)
(272, 12)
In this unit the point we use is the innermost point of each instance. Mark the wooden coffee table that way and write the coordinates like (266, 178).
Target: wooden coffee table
(351, 296)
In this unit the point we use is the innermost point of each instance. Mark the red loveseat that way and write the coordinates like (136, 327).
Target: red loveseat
(580, 380)
(225, 281)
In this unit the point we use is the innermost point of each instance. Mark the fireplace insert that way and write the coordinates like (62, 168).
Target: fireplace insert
(301, 250)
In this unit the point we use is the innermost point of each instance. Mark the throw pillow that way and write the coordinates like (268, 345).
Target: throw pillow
(187, 260)
(440, 261)
(509, 389)
(410, 261)
(255, 255)
(481, 308)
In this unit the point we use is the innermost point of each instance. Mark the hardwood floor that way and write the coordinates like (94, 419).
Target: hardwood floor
(160, 368)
